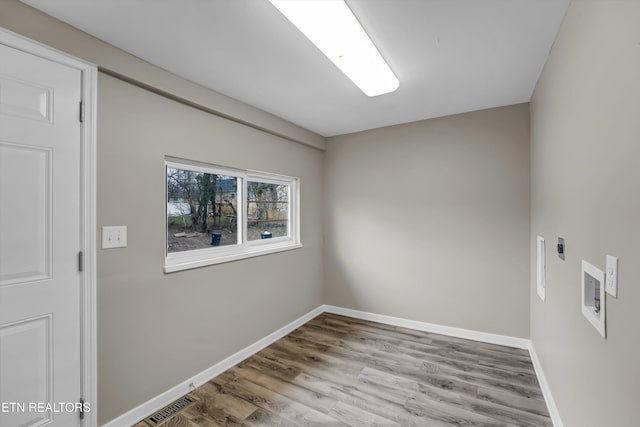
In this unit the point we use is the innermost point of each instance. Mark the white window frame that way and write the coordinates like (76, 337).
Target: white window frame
(178, 261)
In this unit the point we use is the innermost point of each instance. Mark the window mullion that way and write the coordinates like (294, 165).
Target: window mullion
(244, 211)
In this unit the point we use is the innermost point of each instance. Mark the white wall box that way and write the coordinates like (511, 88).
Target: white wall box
(541, 268)
(593, 297)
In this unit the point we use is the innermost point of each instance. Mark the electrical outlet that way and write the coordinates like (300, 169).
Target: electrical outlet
(612, 276)
(114, 237)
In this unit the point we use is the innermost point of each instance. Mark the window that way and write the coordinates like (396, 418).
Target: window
(216, 214)
(267, 209)
(197, 203)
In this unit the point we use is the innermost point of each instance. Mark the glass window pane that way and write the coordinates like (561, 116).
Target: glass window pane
(267, 210)
(202, 210)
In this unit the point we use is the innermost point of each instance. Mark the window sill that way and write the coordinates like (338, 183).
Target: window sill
(179, 262)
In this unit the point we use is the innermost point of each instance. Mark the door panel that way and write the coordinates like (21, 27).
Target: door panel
(23, 99)
(25, 251)
(33, 339)
(40, 283)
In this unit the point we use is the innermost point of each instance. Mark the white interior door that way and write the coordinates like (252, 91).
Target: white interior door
(40, 285)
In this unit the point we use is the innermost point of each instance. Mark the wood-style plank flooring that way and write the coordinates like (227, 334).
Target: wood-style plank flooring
(340, 371)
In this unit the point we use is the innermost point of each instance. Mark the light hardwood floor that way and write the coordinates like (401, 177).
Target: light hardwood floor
(340, 371)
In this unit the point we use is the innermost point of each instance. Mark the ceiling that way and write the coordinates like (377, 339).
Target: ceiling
(451, 56)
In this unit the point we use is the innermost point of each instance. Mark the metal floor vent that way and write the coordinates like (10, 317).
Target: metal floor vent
(169, 411)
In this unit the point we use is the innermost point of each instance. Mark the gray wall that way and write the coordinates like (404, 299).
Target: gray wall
(157, 330)
(430, 221)
(585, 164)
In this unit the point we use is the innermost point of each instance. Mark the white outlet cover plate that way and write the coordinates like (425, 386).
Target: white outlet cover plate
(114, 237)
(611, 273)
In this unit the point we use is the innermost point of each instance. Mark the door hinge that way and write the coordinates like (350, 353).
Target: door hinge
(80, 261)
(81, 412)
(81, 112)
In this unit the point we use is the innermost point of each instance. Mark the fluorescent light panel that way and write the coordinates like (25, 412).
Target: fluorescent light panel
(332, 27)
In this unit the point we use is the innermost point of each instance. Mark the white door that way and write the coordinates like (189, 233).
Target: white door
(40, 283)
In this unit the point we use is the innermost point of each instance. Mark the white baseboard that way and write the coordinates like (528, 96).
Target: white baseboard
(508, 341)
(544, 386)
(149, 407)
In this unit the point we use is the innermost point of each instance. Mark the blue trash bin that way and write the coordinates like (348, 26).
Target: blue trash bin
(265, 235)
(215, 238)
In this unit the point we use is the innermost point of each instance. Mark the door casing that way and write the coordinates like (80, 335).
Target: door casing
(88, 357)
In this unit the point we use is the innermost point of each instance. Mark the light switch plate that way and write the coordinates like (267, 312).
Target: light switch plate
(612, 276)
(114, 237)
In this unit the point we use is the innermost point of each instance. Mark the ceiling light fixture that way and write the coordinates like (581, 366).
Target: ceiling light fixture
(332, 27)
